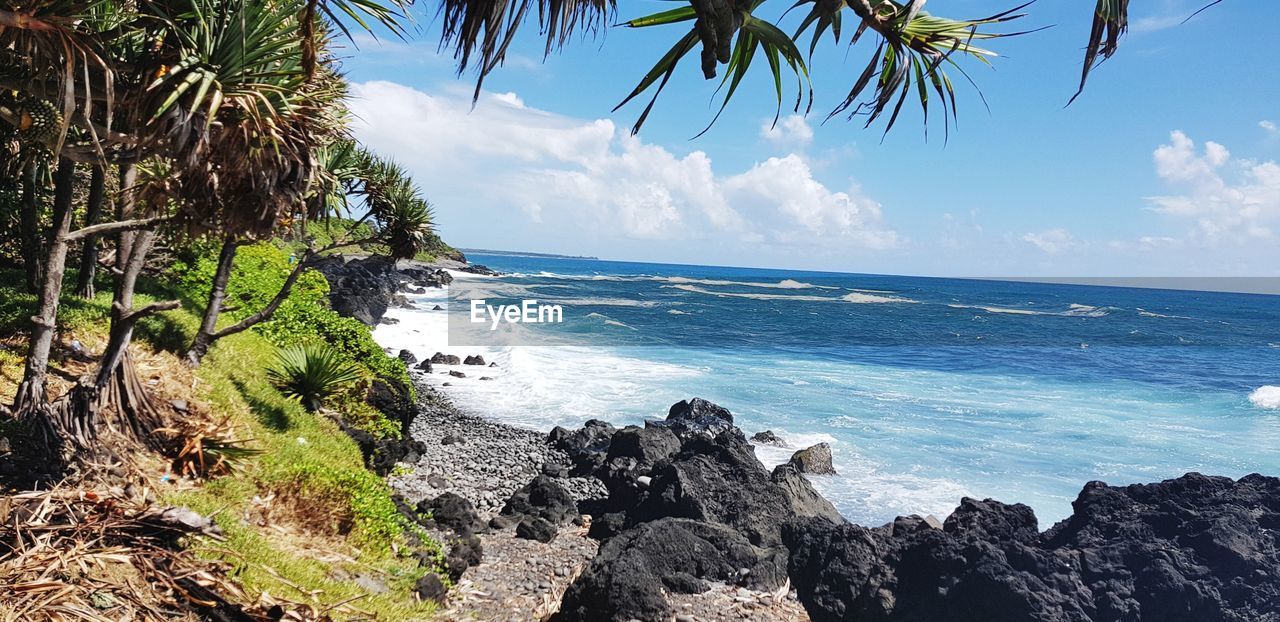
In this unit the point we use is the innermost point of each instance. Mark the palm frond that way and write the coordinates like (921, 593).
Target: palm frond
(916, 48)
(1110, 22)
(485, 28)
(751, 36)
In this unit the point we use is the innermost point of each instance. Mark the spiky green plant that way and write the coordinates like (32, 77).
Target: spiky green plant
(311, 373)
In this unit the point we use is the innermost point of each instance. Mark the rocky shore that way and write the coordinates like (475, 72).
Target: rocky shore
(677, 519)
(689, 525)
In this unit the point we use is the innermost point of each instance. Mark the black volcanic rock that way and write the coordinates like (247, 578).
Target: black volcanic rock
(641, 448)
(453, 512)
(1192, 548)
(535, 528)
(544, 498)
(698, 418)
(627, 578)
(423, 277)
(474, 359)
(768, 438)
(395, 401)
(720, 481)
(464, 553)
(360, 288)
(431, 589)
(440, 358)
(585, 446)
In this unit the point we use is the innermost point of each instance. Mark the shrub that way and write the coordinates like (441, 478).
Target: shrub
(311, 373)
(260, 270)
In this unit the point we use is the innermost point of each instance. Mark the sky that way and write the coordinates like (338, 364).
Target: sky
(1166, 165)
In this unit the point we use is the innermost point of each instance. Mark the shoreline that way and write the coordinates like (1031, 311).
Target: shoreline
(680, 519)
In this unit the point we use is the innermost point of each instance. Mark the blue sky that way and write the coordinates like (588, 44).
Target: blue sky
(1165, 166)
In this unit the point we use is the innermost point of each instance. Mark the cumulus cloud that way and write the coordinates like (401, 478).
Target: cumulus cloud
(1052, 241)
(587, 175)
(1227, 199)
(792, 131)
(1269, 127)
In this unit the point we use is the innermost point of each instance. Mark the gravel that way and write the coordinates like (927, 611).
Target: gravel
(482, 461)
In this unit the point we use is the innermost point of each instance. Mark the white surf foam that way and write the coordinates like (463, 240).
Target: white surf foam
(1073, 310)
(1266, 397)
(853, 297)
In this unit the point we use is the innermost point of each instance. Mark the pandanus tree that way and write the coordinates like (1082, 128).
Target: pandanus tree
(349, 180)
(201, 105)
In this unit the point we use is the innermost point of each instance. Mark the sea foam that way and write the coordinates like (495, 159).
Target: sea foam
(1266, 397)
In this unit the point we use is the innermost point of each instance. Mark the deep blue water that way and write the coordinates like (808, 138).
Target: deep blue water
(927, 389)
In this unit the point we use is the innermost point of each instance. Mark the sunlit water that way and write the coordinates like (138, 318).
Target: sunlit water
(927, 389)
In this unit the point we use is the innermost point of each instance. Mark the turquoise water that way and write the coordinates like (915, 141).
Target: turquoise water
(927, 389)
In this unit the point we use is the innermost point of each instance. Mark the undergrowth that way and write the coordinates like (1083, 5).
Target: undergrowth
(303, 517)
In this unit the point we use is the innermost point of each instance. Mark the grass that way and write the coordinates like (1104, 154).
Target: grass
(302, 517)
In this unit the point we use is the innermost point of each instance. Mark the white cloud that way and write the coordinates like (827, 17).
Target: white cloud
(787, 185)
(1227, 200)
(791, 131)
(515, 162)
(1269, 127)
(1052, 241)
(1146, 243)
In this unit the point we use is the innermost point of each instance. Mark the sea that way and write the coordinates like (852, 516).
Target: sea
(927, 389)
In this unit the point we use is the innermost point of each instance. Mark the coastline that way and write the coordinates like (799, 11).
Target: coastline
(680, 519)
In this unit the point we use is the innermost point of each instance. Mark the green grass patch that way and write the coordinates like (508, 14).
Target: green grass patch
(338, 518)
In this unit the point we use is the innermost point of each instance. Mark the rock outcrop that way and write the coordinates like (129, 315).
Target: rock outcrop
(688, 503)
(1191, 548)
(360, 288)
(814, 460)
(627, 578)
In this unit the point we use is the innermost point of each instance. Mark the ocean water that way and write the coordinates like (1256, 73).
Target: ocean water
(928, 390)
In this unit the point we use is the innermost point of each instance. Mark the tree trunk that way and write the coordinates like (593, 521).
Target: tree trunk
(209, 326)
(124, 211)
(30, 226)
(89, 254)
(77, 416)
(123, 317)
(31, 393)
(200, 346)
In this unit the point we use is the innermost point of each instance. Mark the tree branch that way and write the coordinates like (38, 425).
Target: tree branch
(152, 309)
(267, 311)
(116, 227)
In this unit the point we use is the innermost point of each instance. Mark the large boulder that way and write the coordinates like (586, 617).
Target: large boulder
(633, 453)
(814, 460)
(536, 528)
(452, 512)
(698, 418)
(586, 447)
(440, 358)
(360, 288)
(645, 446)
(720, 481)
(543, 498)
(628, 577)
(767, 437)
(1191, 548)
(422, 276)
